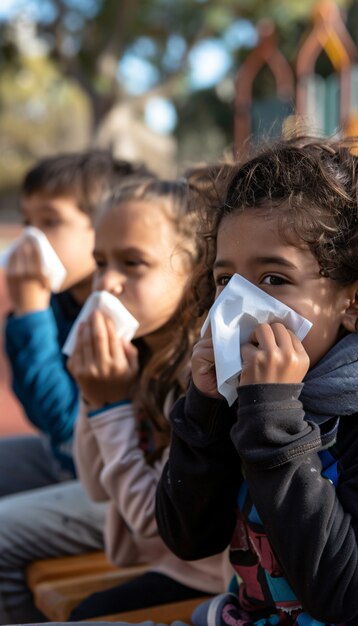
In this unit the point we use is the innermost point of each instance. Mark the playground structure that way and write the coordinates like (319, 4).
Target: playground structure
(302, 97)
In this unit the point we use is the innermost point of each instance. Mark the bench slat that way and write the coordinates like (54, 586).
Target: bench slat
(46, 570)
(164, 614)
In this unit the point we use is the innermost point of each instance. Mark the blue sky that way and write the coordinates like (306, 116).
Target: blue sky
(208, 63)
(6, 8)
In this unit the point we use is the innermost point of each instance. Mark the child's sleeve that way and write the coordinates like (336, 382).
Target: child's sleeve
(88, 458)
(40, 378)
(196, 496)
(126, 477)
(309, 512)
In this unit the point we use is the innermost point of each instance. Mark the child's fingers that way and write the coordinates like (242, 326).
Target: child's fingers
(115, 349)
(16, 265)
(100, 338)
(75, 362)
(25, 260)
(131, 354)
(285, 339)
(121, 352)
(29, 288)
(32, 257)
(86, 345)
(299, 351)
(269, 336)
(203, 351)
(263, 337)
(203, 345)
(206, 342)
(203, 367)
(248, 351)
(70, 365)
(297, 343)
(207, 334)
(274, 355)
(206, 357)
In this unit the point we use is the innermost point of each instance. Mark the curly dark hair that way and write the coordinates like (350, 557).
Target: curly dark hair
(311, 183)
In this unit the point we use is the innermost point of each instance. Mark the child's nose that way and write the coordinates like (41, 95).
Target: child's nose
(110, 281)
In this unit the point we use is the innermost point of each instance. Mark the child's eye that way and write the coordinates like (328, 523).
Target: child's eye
(100, 263)
(222, 281)
(273, 279)
(134, 262)
(50, 223)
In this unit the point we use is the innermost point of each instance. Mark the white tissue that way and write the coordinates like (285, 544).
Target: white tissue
(125, 324)
(51, 265)
(233, 316)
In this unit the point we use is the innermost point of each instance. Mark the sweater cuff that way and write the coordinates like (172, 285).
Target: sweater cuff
(107, 407)
(271, 429)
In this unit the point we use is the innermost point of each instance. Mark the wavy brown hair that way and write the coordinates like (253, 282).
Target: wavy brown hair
(167, 369)
(311, 183)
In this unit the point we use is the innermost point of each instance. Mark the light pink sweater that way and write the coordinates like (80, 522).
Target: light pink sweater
(112, 467)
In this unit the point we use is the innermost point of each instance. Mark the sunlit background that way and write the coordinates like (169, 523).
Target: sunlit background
(153, 80)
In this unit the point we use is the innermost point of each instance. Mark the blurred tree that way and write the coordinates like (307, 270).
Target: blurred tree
(134, 50)
(40, 113)
(87, 38)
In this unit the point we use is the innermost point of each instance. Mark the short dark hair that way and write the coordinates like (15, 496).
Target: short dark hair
(87, 177)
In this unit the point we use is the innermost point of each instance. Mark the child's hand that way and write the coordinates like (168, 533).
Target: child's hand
(274, 355)
(203, 366)
(104, 366)
(28, 288)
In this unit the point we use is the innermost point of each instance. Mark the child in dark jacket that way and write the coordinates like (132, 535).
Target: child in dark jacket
(275, 476)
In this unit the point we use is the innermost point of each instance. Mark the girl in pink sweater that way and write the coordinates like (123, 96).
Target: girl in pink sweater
(146, 247)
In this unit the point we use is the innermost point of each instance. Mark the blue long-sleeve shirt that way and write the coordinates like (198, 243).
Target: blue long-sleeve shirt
(40, 378)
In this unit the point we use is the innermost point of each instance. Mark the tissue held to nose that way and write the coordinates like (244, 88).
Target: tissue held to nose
(50, 264)
(239, 308)
(124, 323)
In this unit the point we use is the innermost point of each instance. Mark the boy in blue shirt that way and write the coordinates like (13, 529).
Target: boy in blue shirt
(60, 196)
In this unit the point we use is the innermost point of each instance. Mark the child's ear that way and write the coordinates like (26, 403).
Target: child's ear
(350, 316)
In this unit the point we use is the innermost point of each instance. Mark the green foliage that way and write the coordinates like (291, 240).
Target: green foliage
(40, 113)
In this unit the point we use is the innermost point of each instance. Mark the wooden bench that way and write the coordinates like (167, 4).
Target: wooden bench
(60, 584)
(47, 570)
(162, 614)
